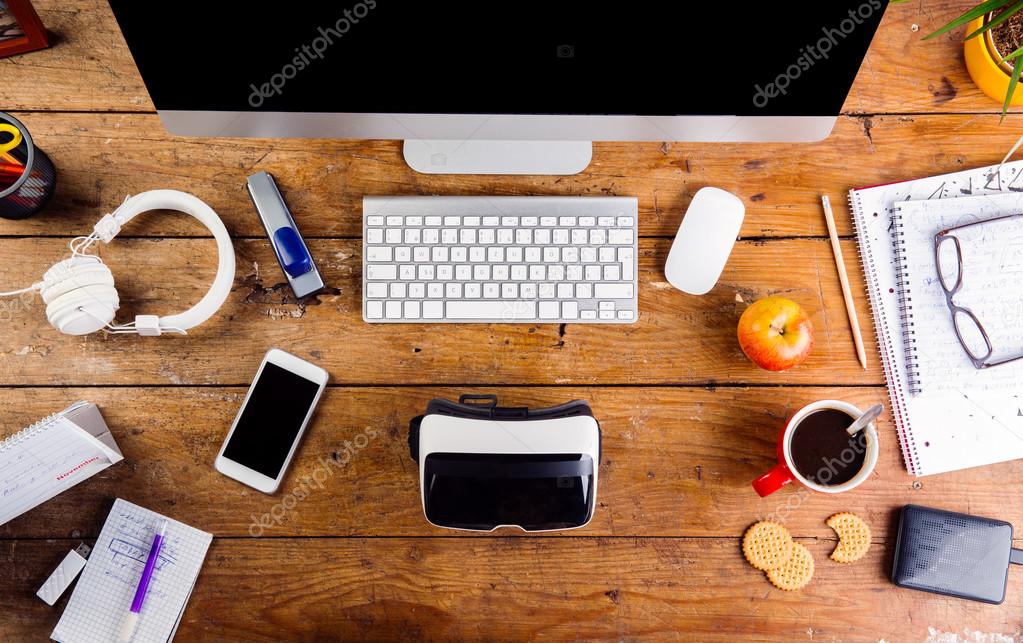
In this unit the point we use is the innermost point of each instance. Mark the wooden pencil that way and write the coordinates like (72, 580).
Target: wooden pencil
(850, 308)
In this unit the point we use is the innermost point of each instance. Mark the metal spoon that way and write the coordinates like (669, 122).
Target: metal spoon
(868, 416)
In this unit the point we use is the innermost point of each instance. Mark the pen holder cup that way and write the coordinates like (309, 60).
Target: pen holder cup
(27, 176)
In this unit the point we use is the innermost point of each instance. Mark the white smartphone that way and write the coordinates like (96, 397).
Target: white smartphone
(273, 417)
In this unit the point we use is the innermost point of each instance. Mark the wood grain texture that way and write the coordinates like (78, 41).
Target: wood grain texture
(901, 73)
(469, 589)
(675, 462)
(102, 158)
(678, 338)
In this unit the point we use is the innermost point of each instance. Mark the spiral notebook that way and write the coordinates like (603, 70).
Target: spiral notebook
(992, 288)
(52, 456)
(942, 430)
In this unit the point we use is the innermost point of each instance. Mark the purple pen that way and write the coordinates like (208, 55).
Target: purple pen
(132, 619)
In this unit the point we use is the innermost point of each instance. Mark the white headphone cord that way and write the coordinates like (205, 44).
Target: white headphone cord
(78, 247)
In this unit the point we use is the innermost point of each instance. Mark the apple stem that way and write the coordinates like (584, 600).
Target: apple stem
(780, 331)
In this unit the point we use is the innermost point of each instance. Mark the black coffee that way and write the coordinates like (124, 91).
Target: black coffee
(823, 452)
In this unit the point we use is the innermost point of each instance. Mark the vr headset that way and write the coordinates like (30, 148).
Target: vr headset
(482, 466)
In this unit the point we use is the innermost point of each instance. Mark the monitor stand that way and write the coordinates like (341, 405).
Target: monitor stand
(498, 157)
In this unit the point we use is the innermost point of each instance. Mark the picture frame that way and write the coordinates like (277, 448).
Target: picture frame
(21, 30)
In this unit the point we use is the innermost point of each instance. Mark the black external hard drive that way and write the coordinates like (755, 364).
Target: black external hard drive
(954, 554)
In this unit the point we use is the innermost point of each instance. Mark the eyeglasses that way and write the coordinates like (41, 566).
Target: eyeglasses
(948, 257)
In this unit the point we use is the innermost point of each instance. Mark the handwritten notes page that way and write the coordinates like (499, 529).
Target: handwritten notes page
(105, 591)
(44, 460)
(992, 287)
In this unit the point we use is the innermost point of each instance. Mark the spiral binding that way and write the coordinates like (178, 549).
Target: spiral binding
(882, 326)
(905, 305)
(29, 432)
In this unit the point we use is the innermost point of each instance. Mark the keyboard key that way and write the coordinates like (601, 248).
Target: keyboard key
(374, 309)
(620, 237)
(420, 254)
(593, 272)
(625, 314)
(459, 253)
(491, 222)
(542, 236)
(588, 314)
(624, 222)
(491, 291)
(529, 222)
(378, 254)
(393, 235)
(505, 236)
(606, 222)
(570, 310)
(374, 235)
(431, 236)
(511, 222)
(551, 255)
(434, 221)
(414, 221)
(560, 237)
(532, 255)
(513, 255)
(393, 310)
(574, 273)
(487, 236)
(426, 273)
(509, 291)
(606, 255)
(607, 314)
(528, 291)
(495, 254)
(453, 291)
(411, 310)
(433, 309)
(546, 291)
(417, 290)
(523, 237)
(587, 222)
(381, 273)
(538, 272)
(394, 221)
(570, 255)
(565, 291)
(471, 221)
(567, 221)
(477, 254)
(548, 222)
(398, 290)
(467, 236)
(588, 255)
(584, 291)
(550, 310)
(403, 253)
(613, 291)
(452, 221)
(556, 273)
(612, 273)
(519, 273)
(473, 291)
(439, 254)
(607, 305)
(463, 272)
(374, 220)
(445, 272)
(376, 290)
(598, 237)
(579, 237)
(449, 236)
(435, 291)
(500, 273)
(407, 272)
(503, 310)
(481, 273)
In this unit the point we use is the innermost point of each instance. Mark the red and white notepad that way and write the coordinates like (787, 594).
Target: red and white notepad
(52, 456)
(944, 429)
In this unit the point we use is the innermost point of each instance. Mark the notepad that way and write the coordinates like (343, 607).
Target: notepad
(941, 430)
(992, 287)
(52, 456)
(105, 591)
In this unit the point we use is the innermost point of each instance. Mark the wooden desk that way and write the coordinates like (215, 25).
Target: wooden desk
(687, 421)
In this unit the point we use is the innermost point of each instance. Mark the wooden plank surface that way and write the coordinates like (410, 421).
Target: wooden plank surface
(687, 422)
(675, 462)
(901, 73)
(526, 589)
(102, 158)
(678, 338)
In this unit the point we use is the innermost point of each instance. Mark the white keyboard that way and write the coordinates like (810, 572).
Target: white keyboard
(499, 259)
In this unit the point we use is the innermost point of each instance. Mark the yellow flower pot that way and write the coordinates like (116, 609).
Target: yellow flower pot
(986, 67)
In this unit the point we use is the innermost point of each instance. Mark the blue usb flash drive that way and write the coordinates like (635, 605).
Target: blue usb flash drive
(288, 245)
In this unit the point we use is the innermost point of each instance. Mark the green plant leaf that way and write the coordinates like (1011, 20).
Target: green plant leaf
(1002, 17)
(1015, 54)
(1016, 69)
(978, 11)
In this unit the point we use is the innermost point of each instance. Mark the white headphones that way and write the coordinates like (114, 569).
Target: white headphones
(79, 292)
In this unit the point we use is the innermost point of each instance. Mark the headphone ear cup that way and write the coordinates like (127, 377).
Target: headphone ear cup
(83, 311)
(80, 296)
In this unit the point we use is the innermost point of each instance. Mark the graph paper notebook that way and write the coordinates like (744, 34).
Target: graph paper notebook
(105, 591)
(992, 287)
(51, 456)
(943, 430)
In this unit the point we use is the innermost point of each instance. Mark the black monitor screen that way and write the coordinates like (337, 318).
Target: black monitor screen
(564, 57)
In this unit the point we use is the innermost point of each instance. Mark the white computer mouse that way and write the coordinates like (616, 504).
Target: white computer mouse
(704, 241)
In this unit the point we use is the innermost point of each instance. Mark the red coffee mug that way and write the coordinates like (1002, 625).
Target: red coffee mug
(785, 471)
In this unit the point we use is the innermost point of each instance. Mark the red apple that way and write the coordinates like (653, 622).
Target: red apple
(776, 333)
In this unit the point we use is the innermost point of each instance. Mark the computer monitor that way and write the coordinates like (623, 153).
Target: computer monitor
(501, 87)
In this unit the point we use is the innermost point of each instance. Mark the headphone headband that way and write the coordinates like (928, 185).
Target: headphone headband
(110, 225)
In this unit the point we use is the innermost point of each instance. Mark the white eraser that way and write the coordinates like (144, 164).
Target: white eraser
(61, 577)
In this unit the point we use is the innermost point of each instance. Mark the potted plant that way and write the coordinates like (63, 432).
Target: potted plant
(993, 48)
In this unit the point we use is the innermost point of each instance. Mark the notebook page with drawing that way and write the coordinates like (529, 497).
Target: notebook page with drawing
(104, 592)
(52, 456)
(938, 432)
(992, 287)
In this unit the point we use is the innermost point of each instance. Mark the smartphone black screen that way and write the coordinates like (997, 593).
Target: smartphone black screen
(270, 421)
